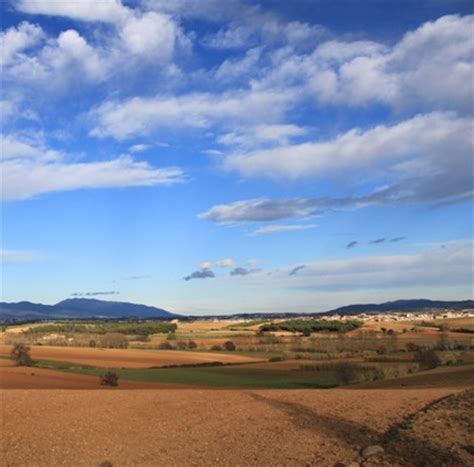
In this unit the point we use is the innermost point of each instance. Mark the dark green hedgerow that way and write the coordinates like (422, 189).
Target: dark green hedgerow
(138, 329)
(312, 325)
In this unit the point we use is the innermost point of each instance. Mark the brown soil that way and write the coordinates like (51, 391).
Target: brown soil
(20, 377)
(127, 358)
(207, 427)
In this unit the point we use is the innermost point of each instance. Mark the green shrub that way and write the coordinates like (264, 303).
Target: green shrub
(312, 325)
(229, 345)
(427, 359)
(21, 354)
(165, 346)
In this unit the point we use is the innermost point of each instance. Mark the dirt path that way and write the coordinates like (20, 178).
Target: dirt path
(199, 427)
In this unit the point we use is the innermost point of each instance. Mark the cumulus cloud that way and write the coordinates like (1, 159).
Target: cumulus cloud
(84, 10)
(202, 274)
(352, 244)
(282, 228)
(296, 269)
(243, 271)
(28, 169)
(16, 40)
(130, 39)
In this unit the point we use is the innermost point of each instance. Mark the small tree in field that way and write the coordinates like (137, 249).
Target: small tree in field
(109, 379)
(346, 372)
(21, 355)
(427, 358)
(229, 345)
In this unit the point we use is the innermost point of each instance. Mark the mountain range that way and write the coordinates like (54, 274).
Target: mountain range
(81, 308)
(85, 308)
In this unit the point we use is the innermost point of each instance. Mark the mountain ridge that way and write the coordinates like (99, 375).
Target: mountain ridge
(81, 308)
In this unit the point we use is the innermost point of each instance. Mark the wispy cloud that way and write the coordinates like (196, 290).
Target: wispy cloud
(243, 271)
(94, 294)
(19, 256)
(296, 269)
(352, 244)
(282, 228)
(377, 241)
(203, 274)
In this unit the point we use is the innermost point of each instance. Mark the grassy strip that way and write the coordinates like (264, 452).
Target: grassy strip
(220, 376)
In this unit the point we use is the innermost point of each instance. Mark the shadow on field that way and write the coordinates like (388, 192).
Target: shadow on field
(400, 446)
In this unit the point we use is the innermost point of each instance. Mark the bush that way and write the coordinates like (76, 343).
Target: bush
(165, 346)
(276, 359)
(109, 379)
(427, 358)
(412, 347)
(192, 345)
(181, 345)
(21, 354)
(346, 372)
(216, 347)
(229, 345)
(171, 336)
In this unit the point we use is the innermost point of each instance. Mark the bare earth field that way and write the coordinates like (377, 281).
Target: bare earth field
(20, 377)
(127, 358)
(206, 427)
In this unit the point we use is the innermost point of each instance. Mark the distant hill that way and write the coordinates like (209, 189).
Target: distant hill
(401, 305)
(81, 308)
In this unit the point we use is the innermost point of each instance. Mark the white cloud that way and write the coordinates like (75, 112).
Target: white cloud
(139, 148)
(138, 116)
(16, 40)
(259, 209)
(19, 256)
(255, 135)
(269, 229)
(358, 73)
(152, 36)
(412, 153)
(448, 266)
(205, 265)
(28, 170)
(225, 263)
(83, 10)
(252, 261)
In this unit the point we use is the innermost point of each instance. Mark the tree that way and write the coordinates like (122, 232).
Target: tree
(229, 345)
(346, 372)
(109, 379)
(427, 358)
(21, 354)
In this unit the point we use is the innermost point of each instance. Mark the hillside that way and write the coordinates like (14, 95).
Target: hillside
(77, 308)
(401, 305)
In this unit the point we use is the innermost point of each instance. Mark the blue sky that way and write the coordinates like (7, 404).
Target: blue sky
(216, 158)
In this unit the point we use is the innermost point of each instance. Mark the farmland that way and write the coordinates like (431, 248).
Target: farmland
(320, 392)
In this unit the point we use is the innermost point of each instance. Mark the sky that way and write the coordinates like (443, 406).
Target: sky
(215, 157)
